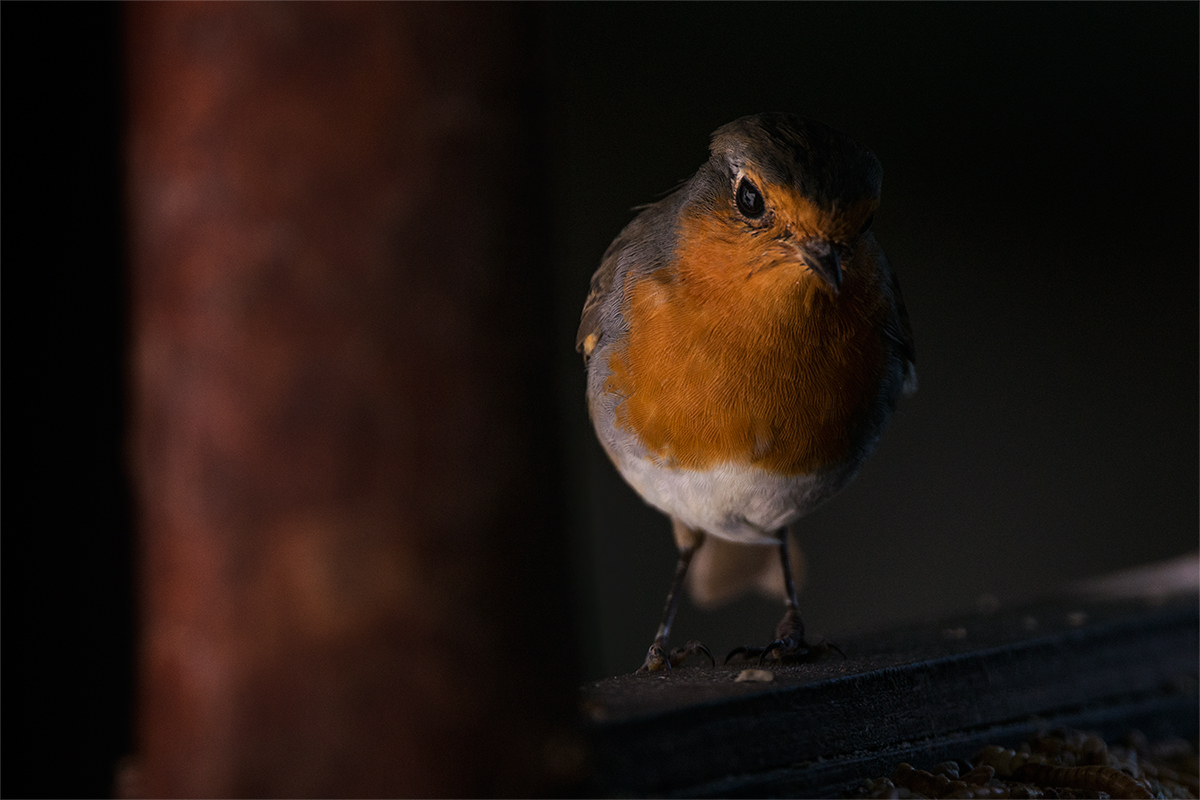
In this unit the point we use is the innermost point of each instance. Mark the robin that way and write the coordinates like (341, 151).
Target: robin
(746, 342)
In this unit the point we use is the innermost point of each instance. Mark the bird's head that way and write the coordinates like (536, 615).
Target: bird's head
(781, 190)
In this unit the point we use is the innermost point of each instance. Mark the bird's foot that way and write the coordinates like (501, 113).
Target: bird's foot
(785, 651)
(658, 659)
(789, 647)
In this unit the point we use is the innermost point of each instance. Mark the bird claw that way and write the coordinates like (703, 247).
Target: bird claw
(786, 651)
(657, 658)
(790, 646)
(785, 647)
(746, 652)
(691, 648)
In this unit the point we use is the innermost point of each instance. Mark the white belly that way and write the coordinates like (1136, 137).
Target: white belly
(738, 503)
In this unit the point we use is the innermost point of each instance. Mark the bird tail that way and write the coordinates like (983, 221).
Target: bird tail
(721, 571)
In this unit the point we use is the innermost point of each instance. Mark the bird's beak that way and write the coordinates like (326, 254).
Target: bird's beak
(823, 258)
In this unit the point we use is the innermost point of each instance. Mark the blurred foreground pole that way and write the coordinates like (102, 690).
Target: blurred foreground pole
(350, 567)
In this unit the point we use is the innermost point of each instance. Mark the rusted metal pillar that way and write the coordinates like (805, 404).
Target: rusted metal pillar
(351, 569)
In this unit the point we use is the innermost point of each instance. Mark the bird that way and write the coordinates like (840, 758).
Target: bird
(745, 343)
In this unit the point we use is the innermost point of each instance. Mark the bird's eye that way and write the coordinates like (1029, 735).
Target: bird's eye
(866, 225)
(749, 199)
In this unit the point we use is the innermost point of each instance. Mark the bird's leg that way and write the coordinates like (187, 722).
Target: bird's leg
(789, 643)
(657, 658)
(789, 633)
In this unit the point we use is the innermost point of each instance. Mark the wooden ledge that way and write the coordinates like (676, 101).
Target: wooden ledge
(1092, 659)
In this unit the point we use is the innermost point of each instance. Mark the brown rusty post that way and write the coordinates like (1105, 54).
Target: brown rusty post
(350, 565)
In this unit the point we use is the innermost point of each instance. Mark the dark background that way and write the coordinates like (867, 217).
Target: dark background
(1040, 205)
(66, 660)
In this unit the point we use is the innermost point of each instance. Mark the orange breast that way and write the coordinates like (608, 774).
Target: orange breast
(737, 355)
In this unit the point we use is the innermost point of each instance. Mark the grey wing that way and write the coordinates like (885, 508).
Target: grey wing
(645, 245)
(589, 332)
(897, 329)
